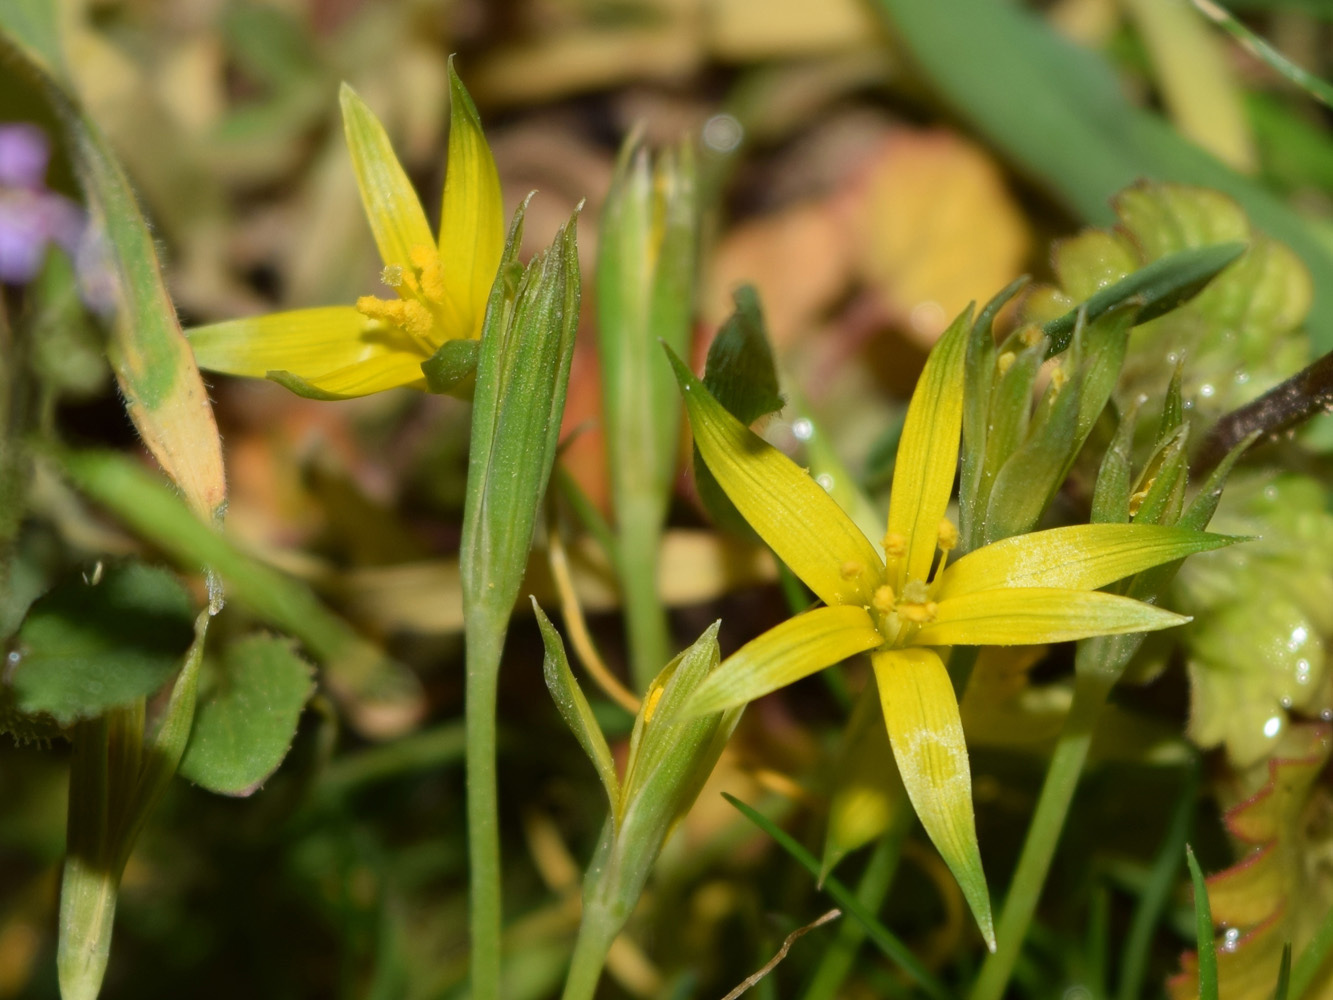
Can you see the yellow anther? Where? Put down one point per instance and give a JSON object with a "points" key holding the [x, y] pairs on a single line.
{"points": [[430, 276], [1031, 335], [1136, 501], [391, 311], [1059, 378], [1004, 362], [650, 703], [948, 535], [417, 320], [850, 570], [916, 592], [884, 599], [895, 545], [921, 614], [392, 275]]}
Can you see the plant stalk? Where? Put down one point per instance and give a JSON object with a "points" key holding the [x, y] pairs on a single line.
{"points": [[640, 537], [485, 644], [1057, 792]]}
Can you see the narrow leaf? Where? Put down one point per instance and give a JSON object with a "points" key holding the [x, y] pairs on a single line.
{"points": [[574, 707], [1203, 930]]}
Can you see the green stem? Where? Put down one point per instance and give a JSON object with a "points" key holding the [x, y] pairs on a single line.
{"points": [[485, 643], [837, 960], [640, 524], [1057, 792], [590, 950]]}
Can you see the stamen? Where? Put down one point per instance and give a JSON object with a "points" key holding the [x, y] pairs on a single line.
{"points": [[1031, 335], [391, 311], [392, 275], [919, 614], [851, 569], [1004, 362], [417, 320], [1059, 378], [895, 545], [427, 263], [916, 592], [884, 599], [948, 535]]}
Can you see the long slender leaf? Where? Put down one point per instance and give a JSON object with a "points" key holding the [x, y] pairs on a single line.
{"points": [[884, 939]]}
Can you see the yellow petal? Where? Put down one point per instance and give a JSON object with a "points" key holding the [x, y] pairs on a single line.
{"points": [[1078, 557], [308, 342], [1031, 615], [789, 510], [928, 452], [797, 648], [472, 216], [926, 734], [391, 203], [384, 371]]}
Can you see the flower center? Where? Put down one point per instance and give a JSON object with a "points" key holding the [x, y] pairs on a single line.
{"points": [[899, 615], [418, 313]]}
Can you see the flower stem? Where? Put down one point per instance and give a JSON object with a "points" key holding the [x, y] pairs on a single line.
{"points": [[640, 527], [485, 643], [590, 950], [1057, 792]]}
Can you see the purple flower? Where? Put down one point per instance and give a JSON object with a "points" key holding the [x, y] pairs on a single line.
{"points": [[31, 217]]}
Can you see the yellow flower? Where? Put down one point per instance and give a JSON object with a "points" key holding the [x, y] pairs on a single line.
{"points": [[908, 605], [438, 289]]}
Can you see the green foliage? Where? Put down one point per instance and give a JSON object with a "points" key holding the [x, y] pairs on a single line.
{"points": [[94, 644], [248, 710]]}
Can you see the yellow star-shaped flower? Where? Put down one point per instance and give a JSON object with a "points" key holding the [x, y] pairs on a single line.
{"points": [[439, 287], [905, 604]]}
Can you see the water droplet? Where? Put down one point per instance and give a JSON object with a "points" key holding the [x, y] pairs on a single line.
{"points": [[723, 133], [1206, 391], [1298, 636], [1230, 939], [1242, 377], [803, 429], [1273, 726], [928, 318], [826, 481], [1284, 701], [13, 657], [1326, 714]]}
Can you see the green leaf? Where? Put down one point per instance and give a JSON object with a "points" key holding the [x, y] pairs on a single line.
{"points": [[741, 375], [884, 939], [383, 696], [1155, 289], [1319, 89], [452, 370], [1203, 930], [248, 711], [574, 708], [87, 647], [164, 393], [522, 375]]}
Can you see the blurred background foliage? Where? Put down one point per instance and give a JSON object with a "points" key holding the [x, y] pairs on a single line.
{"points": [[870, 168]]}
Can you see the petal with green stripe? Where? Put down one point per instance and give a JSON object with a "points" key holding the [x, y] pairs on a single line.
{"points": [[1031, 615], [391, 203], [472, 215], [788, 509], [1077, 557], [926, 733], [784, 654], [384, 371], [309, 342], [928, 452]]}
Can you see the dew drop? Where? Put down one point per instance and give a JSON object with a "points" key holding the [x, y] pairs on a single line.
{"points": [[802, 429], [1206, 391], [723, 133], [1230, 939], [826, 481], [1272, 726]]}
